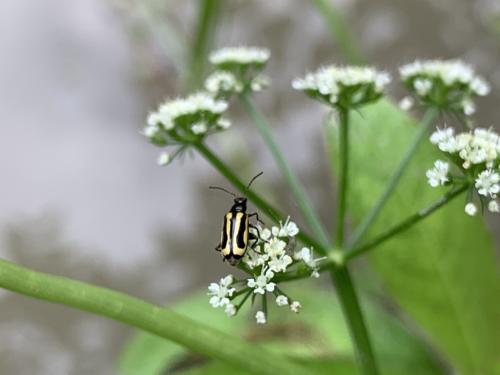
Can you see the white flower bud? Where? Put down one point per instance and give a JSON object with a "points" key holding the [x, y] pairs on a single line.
{"points": [[493, 206], [470, 209], [163, 159], [295, 306], [281, 300], [260, 317]]}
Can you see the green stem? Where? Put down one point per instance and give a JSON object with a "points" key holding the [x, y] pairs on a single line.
{"points": [[358, 234], [296, 188], [208, 11], [340, 31], [354, 317], [339, 272], [146, 316], [256, 199], [343, 176], [405, 224], [325, 265]]}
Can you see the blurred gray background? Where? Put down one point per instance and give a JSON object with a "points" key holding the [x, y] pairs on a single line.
{"points": [[81, 194]]}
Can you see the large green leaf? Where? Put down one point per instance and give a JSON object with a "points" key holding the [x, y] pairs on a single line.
{"points": [[443, 271], [316, 335]]}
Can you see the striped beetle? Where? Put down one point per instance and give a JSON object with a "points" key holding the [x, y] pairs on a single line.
{"points": [[235, 229]]}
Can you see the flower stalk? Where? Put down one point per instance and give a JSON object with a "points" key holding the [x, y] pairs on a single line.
{"points": [[355, 321], [298, 192], [343, 176], [405, 224]]}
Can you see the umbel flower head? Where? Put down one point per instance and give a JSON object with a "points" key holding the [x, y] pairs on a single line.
{"points": [[238, 70], [264, 263], [347, 87], [446, 84], [475, 156], [183, 121]]}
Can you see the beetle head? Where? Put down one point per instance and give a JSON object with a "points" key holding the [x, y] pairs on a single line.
{"points": [[240, 204]]}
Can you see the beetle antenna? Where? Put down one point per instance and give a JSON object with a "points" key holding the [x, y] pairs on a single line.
{"points": [[220, 188], [254, 178]]}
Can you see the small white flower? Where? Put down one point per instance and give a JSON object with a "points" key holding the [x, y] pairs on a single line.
{"points": [[480, 86], [286, 229], [279, 264], [223, 123], [439, 174], [254, 259], [154, 120], [262, 283], [281, 300], [163, 159], [230, 310], [259, 83], [469, 107], [422, 86], [223, 82], [295, 306], [487, 183], [199, 128], [275, 247], [445, 140], [265, 234], [306, 255], [493, 206], [470, 209], [240, 55], [406, 103], [260, 317], [221, 292]]}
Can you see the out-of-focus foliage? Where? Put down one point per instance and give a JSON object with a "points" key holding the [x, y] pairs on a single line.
{"points": [[317, 337], [442, 272]]}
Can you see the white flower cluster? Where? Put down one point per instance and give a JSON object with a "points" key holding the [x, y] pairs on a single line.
{"points": [[222, 82], [220, 293], [447, 84], [265, 260], [240, 56], [348, 87], [185, 120], [476, 155], [238, 70]]}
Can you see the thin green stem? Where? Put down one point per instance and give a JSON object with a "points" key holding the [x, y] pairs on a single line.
{"points": [[208, 12], [295, 186], [355, 321], [405, 224], [339, 272], [343, 176], [266, 208], [340, 31], [146, 316], [325, 265], [365, 225]]}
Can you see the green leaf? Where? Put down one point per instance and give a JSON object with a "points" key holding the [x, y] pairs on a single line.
{"points": [[315, 335], [443, 271]]}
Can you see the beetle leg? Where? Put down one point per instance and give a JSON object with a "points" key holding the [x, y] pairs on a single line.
{"points": [[218, 247], [253, 237], [258, 237], [256, 217]]}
